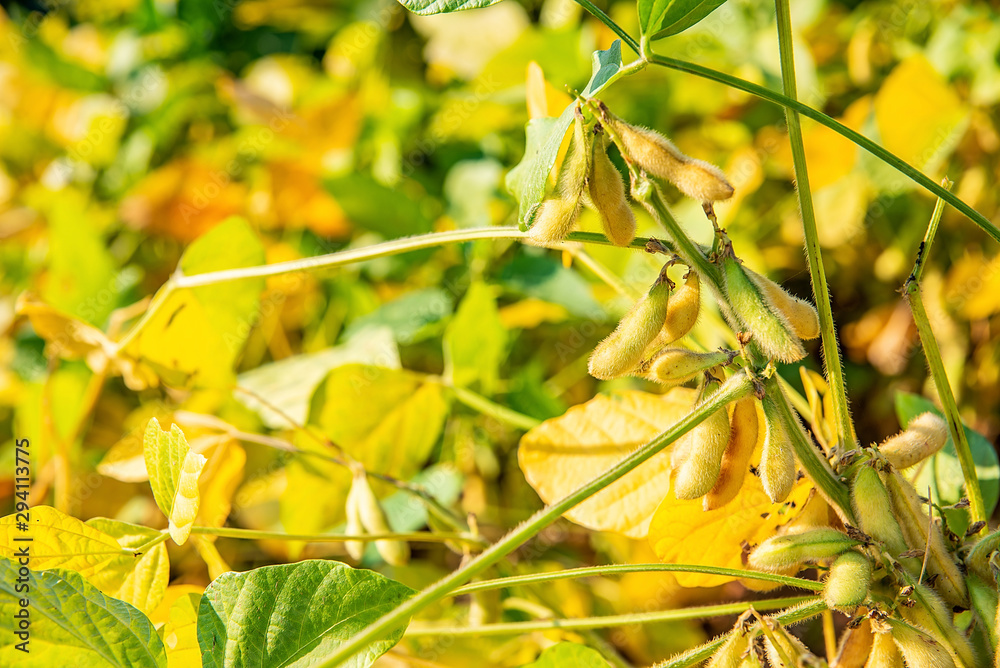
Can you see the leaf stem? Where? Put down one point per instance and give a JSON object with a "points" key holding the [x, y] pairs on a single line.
{"points": [[618, 569], [481, 404], [414, 536], [735, 388], [914, 296], [697, 612], [828, 332]]}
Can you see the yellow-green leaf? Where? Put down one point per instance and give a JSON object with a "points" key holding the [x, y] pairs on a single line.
{"points": [[173, 475], [475, 340], [561, 454], [149, 572], [180, 633]]}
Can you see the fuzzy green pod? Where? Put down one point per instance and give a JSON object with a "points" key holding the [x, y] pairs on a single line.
{"points": [[745, 430], [873, 511], [730, 654], [777, 461], [978, 559], [607, 194], [672, 366], [930, 614], [395, 552], [908, 509], [707, 444], [925, 435], [770, 329], [919, 650], [621, 352], [983, 598], [847, 582], [556, 217], [778, 553], [800, 314]]}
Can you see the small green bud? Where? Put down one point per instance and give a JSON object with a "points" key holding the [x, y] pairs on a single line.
{"points": [[847, 583], [782, 552]]}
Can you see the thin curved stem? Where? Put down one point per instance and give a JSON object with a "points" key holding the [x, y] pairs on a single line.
{"points": [[735, 388], [413, 536], [619, 569], [827, 328], [481, 404], [610, 23], [679, 614]]}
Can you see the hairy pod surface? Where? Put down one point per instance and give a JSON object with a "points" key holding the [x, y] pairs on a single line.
{"points": [[983, 598], [855, 647], [915, 523], [685, 305], [395, 552], [919, 650], [800, 314], [730, 654], [782, 643], [743, 436], [777, 461], [621, 352], [884, 653], [607, 193], [672, 366], [355, 548], [781, 552], [707, 444], [556, 217], [930, 614], [847, 582], [978, 559], [925, 435], [874, 514], [770, 328]]}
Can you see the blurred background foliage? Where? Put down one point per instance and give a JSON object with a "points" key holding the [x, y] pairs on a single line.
{"points": [[129, 128]]}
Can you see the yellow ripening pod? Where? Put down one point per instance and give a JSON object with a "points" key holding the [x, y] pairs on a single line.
{"points": [[855, 646], [355, 548], [919, 650], [607, 193], [978, 560], [656, 155], [847, 582], [800, 314], [685, 304], [873, 512], [554, 219], [621, 352], [744, 433], [930, 614], [777, 461], [779, 553], [884, 653], [395, 552], [770, 329], [908, 509], [707, 443], [781, 643], [672, 366], [925, 435], [730, 654]]}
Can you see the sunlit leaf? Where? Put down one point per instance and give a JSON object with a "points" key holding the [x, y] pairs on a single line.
{"points": [[74, 625], [180, 633], [304, 610], [425, 7], [561, 454], [566, 654], [149, 567], [662, 18], [173, 475], [411, 317], [475, 341]]}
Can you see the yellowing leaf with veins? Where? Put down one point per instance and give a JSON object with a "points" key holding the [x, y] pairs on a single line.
{"points": [[147, 579], [563, 453], [173, 475], [682, 533], [180, 633]]}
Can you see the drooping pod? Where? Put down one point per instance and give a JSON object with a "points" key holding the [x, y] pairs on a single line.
{"points": [[607, 193], [706, 445], [685, 304], [978, 559], [777, 461], [874, 514], [925, 435], [656, 155], [914, 522], [782, 552], [919, 650], [621, 352], [672, 366], [930, 614], [730, 654], [800, 314], [847, 582], [745, 430], [556, 217], [770, 328], [884, 653], [855, 646], [395, 552]]}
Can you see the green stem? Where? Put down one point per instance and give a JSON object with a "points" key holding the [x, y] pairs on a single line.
{"points": [[481, 404], [699, 654], [914, 296], [414, 537], [867, 144], [610, 23], [735, 388], [692, 254], [618, 569], [831, 351], [699, 612], [816, 467]]}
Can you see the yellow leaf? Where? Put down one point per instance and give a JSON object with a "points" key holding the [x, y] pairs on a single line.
{"points": [[563, 453], [149, 573], [161, 615], [173, 476], [682, 533], [219, 480], [180, 633], [917, 113], [544, 100], [530, 313]]}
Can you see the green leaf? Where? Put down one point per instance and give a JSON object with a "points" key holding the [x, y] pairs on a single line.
{"points": [[475, 341], [541, 276], [943, 472], [294, 615], [662, 18], [173, 475], [528, 180], [288, 384], [569, 655], [389, 211], [410, 317], [73, 624], [425, 7]]}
